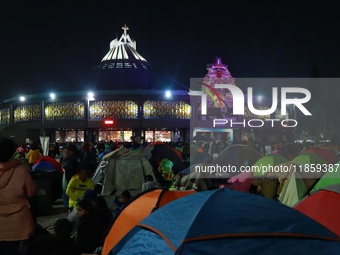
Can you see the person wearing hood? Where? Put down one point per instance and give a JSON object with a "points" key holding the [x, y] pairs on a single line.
{"points": [[34, 154], [16, 186], [79, 184]]}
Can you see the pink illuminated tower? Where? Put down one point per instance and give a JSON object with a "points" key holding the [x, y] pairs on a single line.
{"points": [[218, 73]]}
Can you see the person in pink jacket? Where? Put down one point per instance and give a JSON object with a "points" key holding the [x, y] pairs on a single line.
{"points": [[16, 186]]}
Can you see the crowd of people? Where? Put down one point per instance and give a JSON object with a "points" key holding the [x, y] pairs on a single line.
{"points": [[89, 217]]}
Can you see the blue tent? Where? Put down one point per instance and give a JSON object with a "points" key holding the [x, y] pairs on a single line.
{"points": [[224, 221], [44, 166]]}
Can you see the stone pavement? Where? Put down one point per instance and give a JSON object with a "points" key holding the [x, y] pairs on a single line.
{"points": [[56, 212]]}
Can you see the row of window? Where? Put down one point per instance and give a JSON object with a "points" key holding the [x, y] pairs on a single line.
{"points": [[98, 110]]}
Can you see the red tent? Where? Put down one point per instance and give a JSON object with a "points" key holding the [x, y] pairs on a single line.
{"points": [[52, 161], [323, 206], [240, 182], [328, 155]]}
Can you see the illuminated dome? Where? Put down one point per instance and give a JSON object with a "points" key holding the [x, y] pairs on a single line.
{"points": [[122, 68]]}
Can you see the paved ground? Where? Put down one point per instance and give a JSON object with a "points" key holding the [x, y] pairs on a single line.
{"points": [[47, 221]]}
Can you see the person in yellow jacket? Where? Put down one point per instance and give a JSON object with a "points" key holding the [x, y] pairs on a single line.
{"points": [[33, 155], [77, 187]]}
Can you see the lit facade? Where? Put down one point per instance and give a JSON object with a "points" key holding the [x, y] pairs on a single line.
{"points": [[124, 93]]}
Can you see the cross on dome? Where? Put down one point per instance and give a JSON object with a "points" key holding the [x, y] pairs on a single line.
{"points": [[119, 48], [125, 37], [125, 28]]}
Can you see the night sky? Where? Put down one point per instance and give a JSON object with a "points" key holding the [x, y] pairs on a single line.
{"points": [[49, 45]]}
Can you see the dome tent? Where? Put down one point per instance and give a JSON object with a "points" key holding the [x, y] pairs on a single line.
{"points": [[122, 169], [229, 230]]}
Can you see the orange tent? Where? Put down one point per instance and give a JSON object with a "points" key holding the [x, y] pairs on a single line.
{"points": [[137, 210]]}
